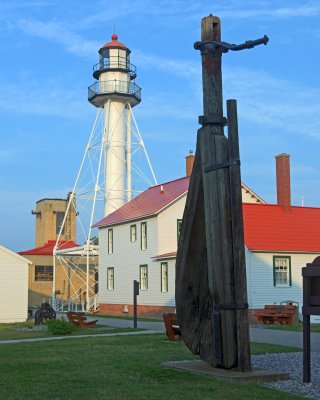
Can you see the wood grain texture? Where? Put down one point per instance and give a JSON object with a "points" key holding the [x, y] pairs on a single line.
{"points": [[211, 293], [239, 263], [193, 302]]}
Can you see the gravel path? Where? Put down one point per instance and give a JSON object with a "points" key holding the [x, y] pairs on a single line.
{"points": [[292, 363]]}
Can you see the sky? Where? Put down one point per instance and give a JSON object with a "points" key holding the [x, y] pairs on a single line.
{"points": [[48, 49]]}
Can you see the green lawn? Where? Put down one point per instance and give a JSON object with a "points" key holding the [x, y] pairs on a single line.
{"points": [[117, 368], [21, 331]]}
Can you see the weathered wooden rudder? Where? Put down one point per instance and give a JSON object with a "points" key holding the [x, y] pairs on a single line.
{"points": [[211, 292]]}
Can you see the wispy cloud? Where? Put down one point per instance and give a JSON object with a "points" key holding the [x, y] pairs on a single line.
{"points": [[56, 32], [8, 156], [273, 102], [176, 67], [43, 98], [267, 9], [151, 12]]}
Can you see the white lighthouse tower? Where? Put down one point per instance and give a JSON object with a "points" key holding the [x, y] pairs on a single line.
{"points": [[108, 173], [116, 92]]}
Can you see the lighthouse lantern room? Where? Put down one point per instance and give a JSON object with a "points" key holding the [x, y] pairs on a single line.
{"points": [[115, 74]]}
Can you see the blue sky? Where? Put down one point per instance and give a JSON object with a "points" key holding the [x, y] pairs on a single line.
{"points": [[47, 51]]}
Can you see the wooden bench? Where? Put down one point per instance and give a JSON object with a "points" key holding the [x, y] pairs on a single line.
{"points": [[79, 320], [172, 326], [272, 314]]}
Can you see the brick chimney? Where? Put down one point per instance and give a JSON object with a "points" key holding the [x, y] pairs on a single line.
{"points": [[189, 163], [283, 180]]}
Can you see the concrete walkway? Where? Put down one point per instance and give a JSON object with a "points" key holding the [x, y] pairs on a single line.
{"points": [[260, 334], [45, 339], [284, 338], [257, 334]]}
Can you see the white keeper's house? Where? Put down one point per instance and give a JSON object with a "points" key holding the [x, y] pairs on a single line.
{"points": [[139, 242]]}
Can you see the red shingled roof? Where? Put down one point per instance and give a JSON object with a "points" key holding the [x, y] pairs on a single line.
{"points": [[273, 228], [47, 248], [148, 203], [173, 254]]}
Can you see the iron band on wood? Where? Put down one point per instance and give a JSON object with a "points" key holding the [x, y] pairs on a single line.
{"points": [[212, 120], [217, 338], [218, 307], [225, 164], [213, 45]]}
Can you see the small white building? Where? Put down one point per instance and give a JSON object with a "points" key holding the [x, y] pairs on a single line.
{"points": [[13, 286], [139, 242]]}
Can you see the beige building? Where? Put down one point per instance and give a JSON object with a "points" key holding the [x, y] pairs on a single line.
{"points": [[70, 272], [50, 214]]}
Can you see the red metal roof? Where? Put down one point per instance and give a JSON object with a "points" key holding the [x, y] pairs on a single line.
{"points": [[273, 228], [173, 254], [114, 42], [148, 203], [47, 248]]}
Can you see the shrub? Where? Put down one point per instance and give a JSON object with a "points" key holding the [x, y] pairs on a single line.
{"points": [[59, 327]]}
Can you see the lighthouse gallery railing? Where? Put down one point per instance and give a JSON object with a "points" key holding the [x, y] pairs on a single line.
{"points": [[114, 86]]}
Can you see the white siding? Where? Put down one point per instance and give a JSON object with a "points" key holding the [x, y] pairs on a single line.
{"points": [[261, 290], [126, 260], [13, 287], [167, 226]]}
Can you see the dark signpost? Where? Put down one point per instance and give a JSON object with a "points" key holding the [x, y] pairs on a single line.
{"points": [[136, 290], [211, 292], [311, 306]]}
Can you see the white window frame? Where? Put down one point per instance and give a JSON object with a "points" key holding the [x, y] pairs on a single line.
{"points": [[110, 241], [164, 277], [282, 271], [143, 273], [133, 233], [144, 236], [110, 278]]}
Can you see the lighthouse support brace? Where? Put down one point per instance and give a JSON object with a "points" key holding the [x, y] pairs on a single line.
{"points": [[70, 203]]}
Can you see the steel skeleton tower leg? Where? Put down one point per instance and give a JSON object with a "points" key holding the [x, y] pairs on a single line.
{"points": [[115, 91]]}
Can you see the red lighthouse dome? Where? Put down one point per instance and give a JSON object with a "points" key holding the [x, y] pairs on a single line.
{"points": [[114, 43]]}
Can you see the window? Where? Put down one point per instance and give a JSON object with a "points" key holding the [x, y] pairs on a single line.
{"points": [[281, 271], [110, 241], [143, 235], [43, 273], [110, 278], [179, 226], [143, 277], [59, 221], [133, 233], [164, 277]]}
